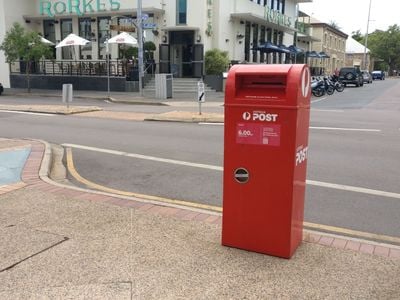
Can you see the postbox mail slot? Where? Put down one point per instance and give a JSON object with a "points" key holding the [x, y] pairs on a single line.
{"points": [[261, 85]]}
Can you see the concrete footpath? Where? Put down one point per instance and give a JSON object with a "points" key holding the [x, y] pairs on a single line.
{"points": [[174, 114], [60, 242]]}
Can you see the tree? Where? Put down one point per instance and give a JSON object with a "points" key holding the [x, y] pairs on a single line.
{"points": [[385, 46], [334, 25], [358, 36], [26, 46], [216, 61]]}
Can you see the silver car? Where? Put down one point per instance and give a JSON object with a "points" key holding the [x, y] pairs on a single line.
{"points": [[367, 77]]}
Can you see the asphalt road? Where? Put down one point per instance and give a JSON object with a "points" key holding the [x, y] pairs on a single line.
{"points": [[354, 141]]}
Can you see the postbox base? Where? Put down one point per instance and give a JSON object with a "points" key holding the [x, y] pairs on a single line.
{"points": [[280, 254]]}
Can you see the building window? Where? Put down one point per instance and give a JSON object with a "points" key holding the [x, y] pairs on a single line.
{"points": [[255, 42], [85, 31], [103, 35], [49, 31], [247, 42], [181, 11], [66, 29]]}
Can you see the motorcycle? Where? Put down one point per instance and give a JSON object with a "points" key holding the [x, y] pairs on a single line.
{"points": [[318, 87], [339, 86]]}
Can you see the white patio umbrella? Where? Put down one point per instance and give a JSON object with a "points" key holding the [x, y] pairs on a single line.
{"points": [[45, 41], [122, 38], [72, 40]]}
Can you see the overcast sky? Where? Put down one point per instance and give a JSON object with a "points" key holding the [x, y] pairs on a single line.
{"points": [[352, 15]]}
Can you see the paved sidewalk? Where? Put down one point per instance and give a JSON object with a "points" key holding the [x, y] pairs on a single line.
{"points": [[127, 98], [61, 242]]}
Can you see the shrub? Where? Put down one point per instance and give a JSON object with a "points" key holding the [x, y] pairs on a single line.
{"points": [[216, 62]]}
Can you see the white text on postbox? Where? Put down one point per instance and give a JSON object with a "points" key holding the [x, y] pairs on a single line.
{"points": [[301, 155], [260, 116]]}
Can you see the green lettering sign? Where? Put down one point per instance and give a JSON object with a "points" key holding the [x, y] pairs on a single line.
{"points": [[276, 17], [78, 7], [45, 8], [74, 6], [115, 5]]}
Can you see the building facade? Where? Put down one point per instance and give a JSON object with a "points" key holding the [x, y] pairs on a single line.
{"points": [[182, 30], [332, 42]]}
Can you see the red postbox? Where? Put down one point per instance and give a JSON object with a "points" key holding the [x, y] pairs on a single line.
{"points": [[267, 112]]}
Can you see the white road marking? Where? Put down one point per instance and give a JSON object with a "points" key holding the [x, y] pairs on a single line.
{"points": [[140, 156], [346, 129], [327, 110], [27, 113], [208, 123], [353, 189], [218, 168], [320, 99]]}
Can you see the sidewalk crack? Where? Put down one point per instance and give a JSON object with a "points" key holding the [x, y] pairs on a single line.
{"points": [[33, 255]]}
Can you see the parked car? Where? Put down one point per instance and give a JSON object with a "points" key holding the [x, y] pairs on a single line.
{"points": [[378, 75], [351, 75], [1, 89], [367, 77]]}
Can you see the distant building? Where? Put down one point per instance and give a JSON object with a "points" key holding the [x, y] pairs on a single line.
{"points": [[331, 46], [355, 55]]}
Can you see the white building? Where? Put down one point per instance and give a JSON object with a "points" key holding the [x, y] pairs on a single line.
{"points": [[182, 30]]}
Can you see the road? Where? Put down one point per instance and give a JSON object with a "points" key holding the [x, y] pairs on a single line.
{"points": [[353, 166]]}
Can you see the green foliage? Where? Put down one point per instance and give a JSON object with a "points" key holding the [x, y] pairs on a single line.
{"points": [[334, 25], [20, 44], [385, 47], [149, 46], [216, 61], [358, 36]]}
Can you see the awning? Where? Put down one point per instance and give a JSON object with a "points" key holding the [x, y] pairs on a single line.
{"points": [[284, 48], [313, 54], [269, 47], [324, 55], [295, 50]]}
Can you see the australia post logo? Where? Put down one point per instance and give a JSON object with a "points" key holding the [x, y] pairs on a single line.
{"points": [[259, 116]]}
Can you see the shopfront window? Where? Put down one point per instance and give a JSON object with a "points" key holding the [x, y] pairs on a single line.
{"points": [[49, 30], [85, 31], [181, 12], [66, 29], [103, 35]]}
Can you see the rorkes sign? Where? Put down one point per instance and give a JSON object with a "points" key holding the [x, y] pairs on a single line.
{"points": [[79, 7]]}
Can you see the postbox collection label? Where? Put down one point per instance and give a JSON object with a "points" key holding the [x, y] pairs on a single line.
{"points": [[258, 134]]}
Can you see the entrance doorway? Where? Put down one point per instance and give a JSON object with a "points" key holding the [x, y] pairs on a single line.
{"points": [[182, 57]]}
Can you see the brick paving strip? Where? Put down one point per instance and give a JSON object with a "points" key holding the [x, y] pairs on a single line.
{"points": [[35, 175]]}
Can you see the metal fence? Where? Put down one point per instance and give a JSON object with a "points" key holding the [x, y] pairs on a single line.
{"points": [[122, 67]]}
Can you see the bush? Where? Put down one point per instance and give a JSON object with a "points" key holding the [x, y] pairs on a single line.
{"points": [[216, 61]]}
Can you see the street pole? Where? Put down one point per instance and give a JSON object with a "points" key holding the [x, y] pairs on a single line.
{"points": [[366, 37], [140, 44]]}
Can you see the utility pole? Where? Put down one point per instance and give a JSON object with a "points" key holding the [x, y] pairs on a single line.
{"points": [[366, 37], [140, 44]]}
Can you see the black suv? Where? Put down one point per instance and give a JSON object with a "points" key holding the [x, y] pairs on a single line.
{"points": [[1, 89], [351, 75]]}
